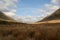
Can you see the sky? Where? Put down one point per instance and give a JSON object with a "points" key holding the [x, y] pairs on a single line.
{"points": [[28, 11], [28, 7]]}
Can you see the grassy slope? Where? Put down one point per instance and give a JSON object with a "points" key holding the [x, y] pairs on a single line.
{"points": [[53, 16], [4, 17], [51, 21]]}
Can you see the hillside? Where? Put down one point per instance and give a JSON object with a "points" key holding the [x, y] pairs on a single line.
{"points": [[4, 17], [53, 16]]}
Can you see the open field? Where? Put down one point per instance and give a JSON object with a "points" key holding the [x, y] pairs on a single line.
{"points": [[20, 31]]}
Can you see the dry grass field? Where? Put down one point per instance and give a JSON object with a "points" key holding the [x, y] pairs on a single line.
{"points": [[21, 31]]}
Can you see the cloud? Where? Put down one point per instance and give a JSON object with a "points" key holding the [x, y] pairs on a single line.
{"points": [[55, 1], [10, 14], [29, 19], [50, 6], [13, 10], [7, 5]]}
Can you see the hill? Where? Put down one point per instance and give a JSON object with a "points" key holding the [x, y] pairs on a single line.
{"points": [[4, 17], [53, 18]]}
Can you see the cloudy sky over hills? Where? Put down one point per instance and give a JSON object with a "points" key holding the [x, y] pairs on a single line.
{"points": [[29, 10]]}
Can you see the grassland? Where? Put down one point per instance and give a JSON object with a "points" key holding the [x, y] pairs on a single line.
{"points": [[21, 31]]}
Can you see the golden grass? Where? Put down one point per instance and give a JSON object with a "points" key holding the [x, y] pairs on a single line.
{"points": [[51, 21], [20, 31]]}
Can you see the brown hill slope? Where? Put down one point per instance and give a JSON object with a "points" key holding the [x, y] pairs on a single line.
{"points": [[3, 17], [53, 16]]}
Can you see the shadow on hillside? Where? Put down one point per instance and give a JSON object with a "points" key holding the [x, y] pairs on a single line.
{"points": [[3, 22]]}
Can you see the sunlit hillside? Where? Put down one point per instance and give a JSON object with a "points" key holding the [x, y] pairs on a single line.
{"points": [[53, 18]]}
